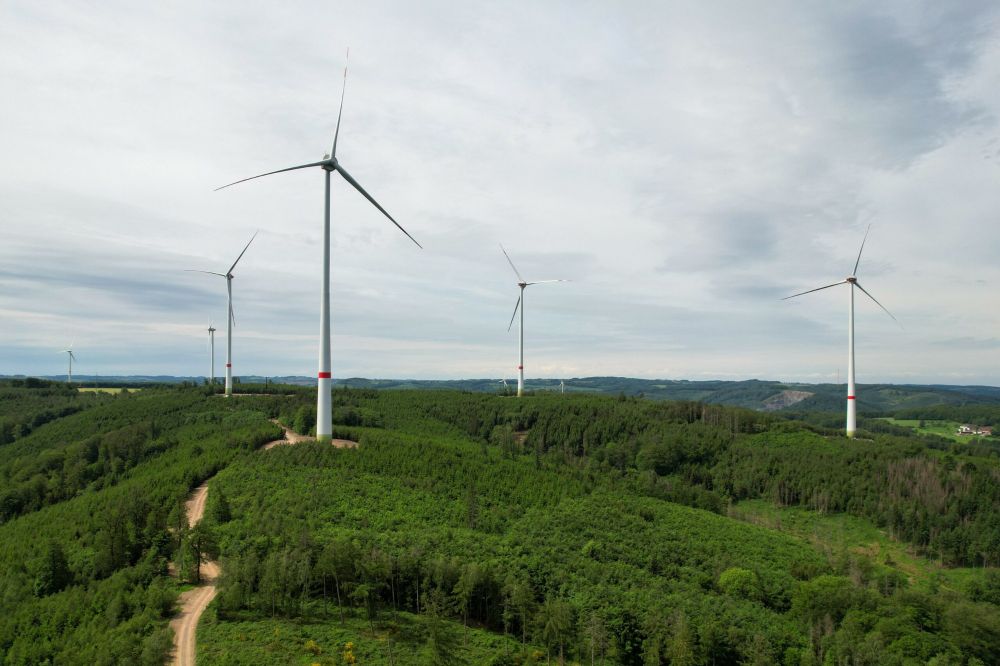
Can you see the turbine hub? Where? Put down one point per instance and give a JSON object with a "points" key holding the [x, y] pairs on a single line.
{"points": [[329, 163], [852, 279], [522, 285]]}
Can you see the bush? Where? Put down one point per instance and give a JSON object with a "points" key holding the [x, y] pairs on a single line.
{"points": [[305, 420], [740, 583]]}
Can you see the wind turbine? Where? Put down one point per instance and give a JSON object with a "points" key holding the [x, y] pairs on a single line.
{"points": [[851, 280], [69, 375], [211, 344], [230, 320], [329, 164], [522, 283], [562, 386]]}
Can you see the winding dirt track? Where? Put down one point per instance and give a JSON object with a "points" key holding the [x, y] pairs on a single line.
{"points": [[193, 602], [292, 437]]}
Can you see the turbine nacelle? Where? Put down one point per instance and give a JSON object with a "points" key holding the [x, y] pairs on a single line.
{"points": [[851, 279]]}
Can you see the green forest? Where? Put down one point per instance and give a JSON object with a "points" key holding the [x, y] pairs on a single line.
{"points": [[475, 527]]}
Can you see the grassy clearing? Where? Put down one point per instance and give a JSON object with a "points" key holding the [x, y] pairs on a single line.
{"points": [[947, 429], [105, 389], [254, 639], [836, 534]]}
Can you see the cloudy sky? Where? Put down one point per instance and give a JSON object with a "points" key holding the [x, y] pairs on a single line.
{"points": [[684, 164]]}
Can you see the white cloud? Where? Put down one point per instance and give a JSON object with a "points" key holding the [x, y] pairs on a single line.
{"points": [[684, 165]]}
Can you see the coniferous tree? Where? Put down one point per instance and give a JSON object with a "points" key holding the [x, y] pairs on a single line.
{"points": [[53, 574]]}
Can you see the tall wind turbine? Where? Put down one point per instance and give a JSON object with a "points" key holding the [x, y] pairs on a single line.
{"points": [[329, 164], [851, 280], [230, 320], [211, 345], [522, 283], [69, 374]]}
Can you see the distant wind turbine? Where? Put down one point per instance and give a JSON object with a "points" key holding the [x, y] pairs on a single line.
{"points": [[851, 280], [562, 386], [71, 358], [211, 344], [230, 320], [329, 164], [522, 283]]}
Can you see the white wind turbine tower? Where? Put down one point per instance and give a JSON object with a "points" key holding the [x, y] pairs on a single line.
{"points": [[329, 164], [522, 283], [71, 358], [851, 280], [230, 320], [211, 345]]}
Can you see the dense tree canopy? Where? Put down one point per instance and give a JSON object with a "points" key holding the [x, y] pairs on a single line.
{"points": [[475, 527]]}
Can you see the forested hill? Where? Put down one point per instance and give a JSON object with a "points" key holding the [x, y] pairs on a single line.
{"points": [[486, 529], [763, 395], [753, 394]]}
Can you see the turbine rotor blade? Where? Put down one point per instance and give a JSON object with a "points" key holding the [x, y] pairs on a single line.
{"points": [[516, 272], [545, 281], [191, 270], [333, 151], [856, 263], [816, 289], [877, 303], [244, 251], [358, 187], [271, 173], [516, 306]]}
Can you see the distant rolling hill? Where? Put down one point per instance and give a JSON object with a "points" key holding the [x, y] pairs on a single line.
{"points": [[763, 395]]}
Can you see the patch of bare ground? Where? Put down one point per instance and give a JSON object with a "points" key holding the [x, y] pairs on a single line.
{"points": [[784, 399], [292, 437]]}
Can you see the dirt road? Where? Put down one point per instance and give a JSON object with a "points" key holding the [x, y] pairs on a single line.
{"points": [[193, 602], [292, 437], [195, 505]]}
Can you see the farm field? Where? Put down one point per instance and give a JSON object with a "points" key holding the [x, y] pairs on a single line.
{"points": [[946, 429]]}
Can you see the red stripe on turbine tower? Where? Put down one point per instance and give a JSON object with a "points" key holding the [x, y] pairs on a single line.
{"points": [[229, 365], [850, 397], [323, 375], [520, 367]]}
